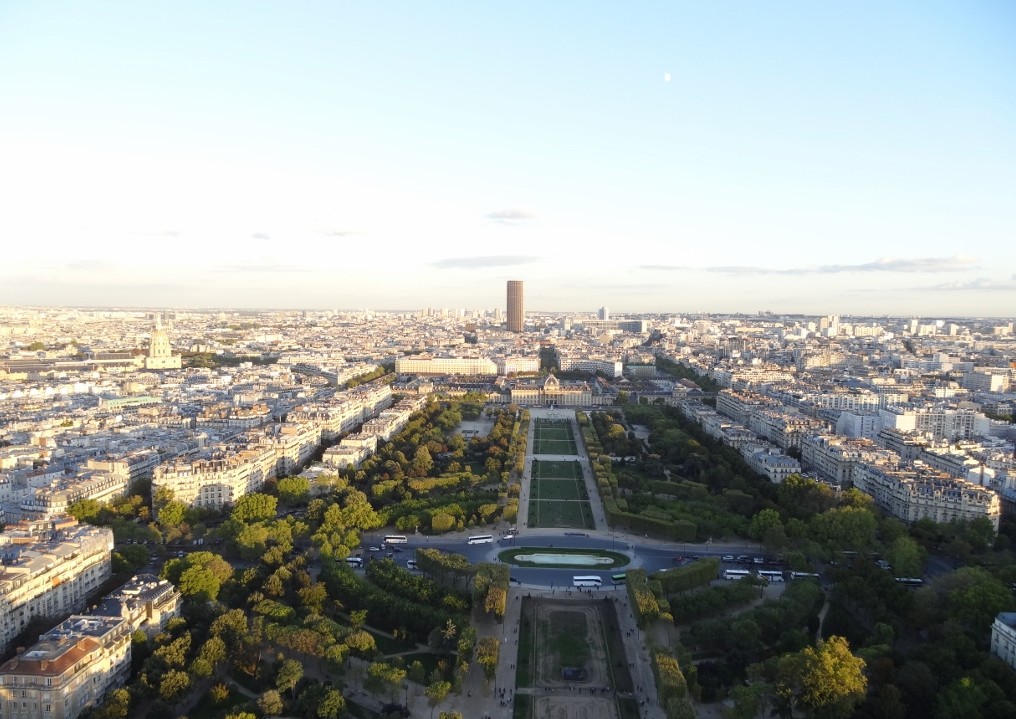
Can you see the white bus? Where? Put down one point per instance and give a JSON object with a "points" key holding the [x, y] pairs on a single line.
{"points": [[735, 574], [587, 581], [394, 539], [803, 575], [354, 561], [771, 575], [481, 539]]}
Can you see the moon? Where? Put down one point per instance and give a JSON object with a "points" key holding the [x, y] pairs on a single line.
{"points": [[666, 77]]}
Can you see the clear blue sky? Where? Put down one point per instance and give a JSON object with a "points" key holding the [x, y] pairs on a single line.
{"points": [[676, 156]]}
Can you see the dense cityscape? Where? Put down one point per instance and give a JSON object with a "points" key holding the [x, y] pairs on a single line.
{"points": [[207, 509]]}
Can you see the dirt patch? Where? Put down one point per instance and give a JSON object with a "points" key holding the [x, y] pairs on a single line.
{"points": [[574, 707], [557, 625]]}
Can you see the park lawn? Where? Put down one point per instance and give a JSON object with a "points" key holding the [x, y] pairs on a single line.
{"points": [[560, 513], [555, 446], [559, 489], [568, 639], [556, 469], [526, 668], [523, 706]]}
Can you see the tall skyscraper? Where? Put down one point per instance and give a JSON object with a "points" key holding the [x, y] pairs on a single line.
{"points": [[516, 306], [603, 314]]}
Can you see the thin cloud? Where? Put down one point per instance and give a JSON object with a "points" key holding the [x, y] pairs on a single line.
{"points": [[260, 268], [338, 233], [485, 261], [956, 263], [980, 284], [260, 236], [87, 265], [509, 217]]}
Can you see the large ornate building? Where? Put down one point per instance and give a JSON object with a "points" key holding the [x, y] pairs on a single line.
{"points": [[160, 352], [551, 391]]}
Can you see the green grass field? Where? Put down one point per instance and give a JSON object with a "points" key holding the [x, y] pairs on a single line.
{"points": [[555, 446], [553, 437], [555, 469], [559, 489], [560, 513]]}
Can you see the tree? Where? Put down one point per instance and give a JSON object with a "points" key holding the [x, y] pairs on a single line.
{"points": [[829, 681], [332, 704], [199, 583], [254, 507], [962, 698], [436, 693], [487, 655], [289, 675], [173, 686], [906, 557], [293, 490], [764, 521]]}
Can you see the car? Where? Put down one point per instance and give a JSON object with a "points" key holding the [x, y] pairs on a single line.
{"points": [[389, 554], [759, 560], [396, 549], [728, 557], [374, 549], [678, 560], [411, 564]]}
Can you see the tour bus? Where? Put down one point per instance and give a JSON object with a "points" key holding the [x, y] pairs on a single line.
{"points": [[803, 575], [354, 561], [394, 539], [586, 581], [910, 581], [619, 578], [771, 575], [480, 539], [735, 574]]}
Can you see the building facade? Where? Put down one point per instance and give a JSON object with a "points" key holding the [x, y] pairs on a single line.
{"points": [[50, 574]]}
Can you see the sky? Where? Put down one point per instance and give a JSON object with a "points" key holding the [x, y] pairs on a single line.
{"points": [[844, 158]]}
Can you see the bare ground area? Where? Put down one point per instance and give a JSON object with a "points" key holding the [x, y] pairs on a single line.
{"points": [[561, 699], [573, 707]]}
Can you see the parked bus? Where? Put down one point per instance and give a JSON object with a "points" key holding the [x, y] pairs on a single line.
{"points": [[481, 539], [354, 561], [394, 539], [735, 574], [910, 581], [771, 575], [619, 578], [803, 575], [586, 581]]}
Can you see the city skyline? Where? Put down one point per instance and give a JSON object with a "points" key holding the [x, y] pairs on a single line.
{"points": [[667, 158]]}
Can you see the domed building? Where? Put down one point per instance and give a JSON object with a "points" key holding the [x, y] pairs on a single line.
{"points": [[160, 352]]}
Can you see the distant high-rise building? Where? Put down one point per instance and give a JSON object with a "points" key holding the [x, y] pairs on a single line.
{"points": [[516, 306], [603, 314]]}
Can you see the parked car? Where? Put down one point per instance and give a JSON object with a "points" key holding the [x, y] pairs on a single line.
{"points": [[374, 549], [728, 557]]}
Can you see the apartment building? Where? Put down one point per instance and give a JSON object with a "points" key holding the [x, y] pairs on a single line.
{"points": [[145, 602], [217, 480], [940, 422], [1003, 638], [917, 492], [834, 457], [68, 670], [54, 500], [419, 364], [50, 573]]}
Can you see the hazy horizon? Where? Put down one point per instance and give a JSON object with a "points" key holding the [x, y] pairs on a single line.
{"points": [[671, 157]]}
